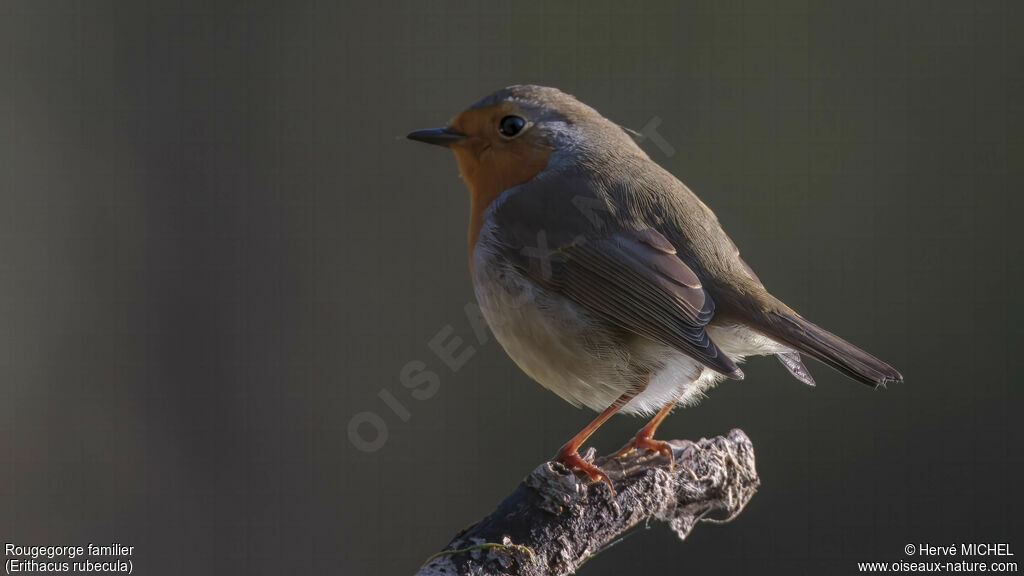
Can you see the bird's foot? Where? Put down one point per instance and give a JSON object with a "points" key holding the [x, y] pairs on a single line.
{"points": [[644, 441], [570, 458]]}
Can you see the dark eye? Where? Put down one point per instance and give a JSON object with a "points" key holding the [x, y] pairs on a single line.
{"points": [[511, 125]]}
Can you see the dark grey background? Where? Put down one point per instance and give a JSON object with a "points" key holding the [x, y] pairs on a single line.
{"points": [[216, 248]]}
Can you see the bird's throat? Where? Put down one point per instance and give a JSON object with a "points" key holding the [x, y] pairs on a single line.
{"points": [[488, 179]]}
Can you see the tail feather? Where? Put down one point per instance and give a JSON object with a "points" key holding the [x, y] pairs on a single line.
{"points": [[809, 338]]}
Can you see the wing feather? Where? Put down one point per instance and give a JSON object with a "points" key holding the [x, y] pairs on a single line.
{"points": [[636, 280]]}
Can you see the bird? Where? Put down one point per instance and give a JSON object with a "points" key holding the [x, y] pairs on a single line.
{"points": [[606, 279]]}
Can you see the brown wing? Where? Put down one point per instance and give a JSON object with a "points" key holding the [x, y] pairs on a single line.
{"points": [[635, 280]]}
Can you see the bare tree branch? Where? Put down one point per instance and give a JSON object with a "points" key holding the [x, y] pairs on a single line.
{"points": [[554, 522]]}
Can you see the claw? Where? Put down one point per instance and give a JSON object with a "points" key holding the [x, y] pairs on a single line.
{"points": [[569, 453], [571, 459], [644, 439], [644, 442]]}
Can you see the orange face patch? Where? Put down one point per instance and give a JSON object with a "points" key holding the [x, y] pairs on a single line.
{"points": [[490, 162]]}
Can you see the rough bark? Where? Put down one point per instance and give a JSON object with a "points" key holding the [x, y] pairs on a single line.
{"points": [[555, 521]]}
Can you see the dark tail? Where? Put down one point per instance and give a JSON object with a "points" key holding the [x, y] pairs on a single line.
{"points": [[809, 338]]}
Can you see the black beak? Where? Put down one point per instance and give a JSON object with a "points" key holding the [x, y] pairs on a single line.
{"points": [[440, 136]]}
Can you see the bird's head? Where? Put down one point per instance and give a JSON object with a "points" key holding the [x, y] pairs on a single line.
{"points": [[512, 135]]}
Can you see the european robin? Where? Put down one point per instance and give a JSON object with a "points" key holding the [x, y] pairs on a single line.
{"points": [[604, 277]]}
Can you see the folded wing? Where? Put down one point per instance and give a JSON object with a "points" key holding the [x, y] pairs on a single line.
{"points": [[635, 280]]}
